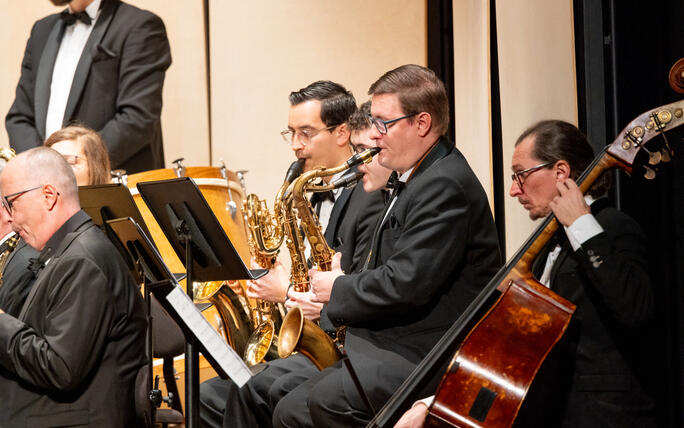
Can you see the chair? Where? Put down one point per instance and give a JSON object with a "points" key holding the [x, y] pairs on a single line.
{"points": [[168, 342]]}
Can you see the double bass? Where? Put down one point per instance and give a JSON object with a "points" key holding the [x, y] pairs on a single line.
{"points": [[497, 346]]}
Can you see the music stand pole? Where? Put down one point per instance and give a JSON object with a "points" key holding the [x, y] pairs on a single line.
{"points": [[191, 349]]}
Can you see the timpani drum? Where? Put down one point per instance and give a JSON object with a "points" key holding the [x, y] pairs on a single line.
{"points": [[230, 314]]}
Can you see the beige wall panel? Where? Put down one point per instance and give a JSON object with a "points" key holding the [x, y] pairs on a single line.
{"points": [[261, 51], [14, 33], [472, 88], [537, 81], [185, 114]]}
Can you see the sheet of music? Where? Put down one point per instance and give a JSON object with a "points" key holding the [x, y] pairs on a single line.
{"points": [[224, 355]]}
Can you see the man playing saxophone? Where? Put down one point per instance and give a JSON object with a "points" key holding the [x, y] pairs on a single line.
{"points": [[432, 251], [319, 134]]}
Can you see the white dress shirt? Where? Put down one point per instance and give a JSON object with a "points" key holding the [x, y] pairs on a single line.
{"points": [[73, 41]]}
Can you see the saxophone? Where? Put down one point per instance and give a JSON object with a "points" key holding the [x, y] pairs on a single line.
{"points": [[10, 245], [296, 332], [265, 235], [5, 156]]}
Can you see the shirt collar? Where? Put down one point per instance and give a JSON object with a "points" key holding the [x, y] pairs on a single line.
{"points": [[91, 9], [405, 176], [6, 237]]}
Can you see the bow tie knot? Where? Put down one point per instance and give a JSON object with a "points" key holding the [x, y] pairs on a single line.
{"points": [[71, 18], [320, 197], [37, 263], [394, 183]]}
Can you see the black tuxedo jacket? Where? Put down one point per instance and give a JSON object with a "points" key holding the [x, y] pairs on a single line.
{"points": [[71, 357], [434, 252], [607, 279], [17, 279], [351, 225], [349, 231], [117, 86]]}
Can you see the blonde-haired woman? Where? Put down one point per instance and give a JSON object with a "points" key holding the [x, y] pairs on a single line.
{"points": [[84, 150]]}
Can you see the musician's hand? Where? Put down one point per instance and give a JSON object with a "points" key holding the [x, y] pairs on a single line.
{"points": [[1, 311], [569, 205], [272, 286], [311, 309], [322, 282], [413, 417]]}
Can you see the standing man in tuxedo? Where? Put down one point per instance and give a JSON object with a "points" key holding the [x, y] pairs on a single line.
{"points": [[71, 356], [319, 133], [100, 63], [434, 248]]}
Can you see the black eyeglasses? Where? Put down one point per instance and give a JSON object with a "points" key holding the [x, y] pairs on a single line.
{"points": [[381, 125], [8, 200], [519, 177]]}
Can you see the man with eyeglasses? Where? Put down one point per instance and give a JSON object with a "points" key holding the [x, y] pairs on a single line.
{"points": [[71, 356], [319, 134], [433, 249], [597, 262]]}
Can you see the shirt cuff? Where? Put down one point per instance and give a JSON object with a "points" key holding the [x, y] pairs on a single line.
{"points": [[427, 401], [582, 230]]}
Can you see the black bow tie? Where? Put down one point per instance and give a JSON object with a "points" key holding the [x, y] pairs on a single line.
{"points": [[37, 263], [71, 18], [394, 183], [319, 197]]}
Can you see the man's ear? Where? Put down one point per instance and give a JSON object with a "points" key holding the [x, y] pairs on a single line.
{"points": [[562, 169], [424, 123], [342, 135], [50, 196]]}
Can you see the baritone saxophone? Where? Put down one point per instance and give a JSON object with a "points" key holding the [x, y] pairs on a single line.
{"points": [[265, 235], [297, 333]]}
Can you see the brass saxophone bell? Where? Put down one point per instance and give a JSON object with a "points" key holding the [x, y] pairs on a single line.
{"points": [[260, 346], [301, 335]]}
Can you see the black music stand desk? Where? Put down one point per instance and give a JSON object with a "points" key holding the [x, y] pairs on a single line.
{"points": [[202, 245]]}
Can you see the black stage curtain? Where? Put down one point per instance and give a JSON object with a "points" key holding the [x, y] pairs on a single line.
{"points": [[629, 76]]}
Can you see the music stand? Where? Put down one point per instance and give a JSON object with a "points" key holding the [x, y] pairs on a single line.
{"points": [[202, 245], [104, 202]]}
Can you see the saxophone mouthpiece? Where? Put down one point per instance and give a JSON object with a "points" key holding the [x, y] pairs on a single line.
{"points": [[363, 157], [349, 179], [295, 170]]}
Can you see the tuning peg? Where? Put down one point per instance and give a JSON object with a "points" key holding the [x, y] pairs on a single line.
{"points": [[649, 174], [654, 158], [665, 155]]}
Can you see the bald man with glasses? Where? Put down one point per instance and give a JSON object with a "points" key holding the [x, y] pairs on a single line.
{"points": [[71, 356]]}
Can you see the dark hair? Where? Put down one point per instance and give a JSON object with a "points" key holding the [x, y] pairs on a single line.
{"points": [[359, 119], [556, 140], [94, 149], [419, 90], [337, 103]]}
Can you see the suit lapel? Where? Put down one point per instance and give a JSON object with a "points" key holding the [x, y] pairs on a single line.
{"points": [[44, 76], [440, 149], [86, 60], [40, 279], [335, 215]]}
